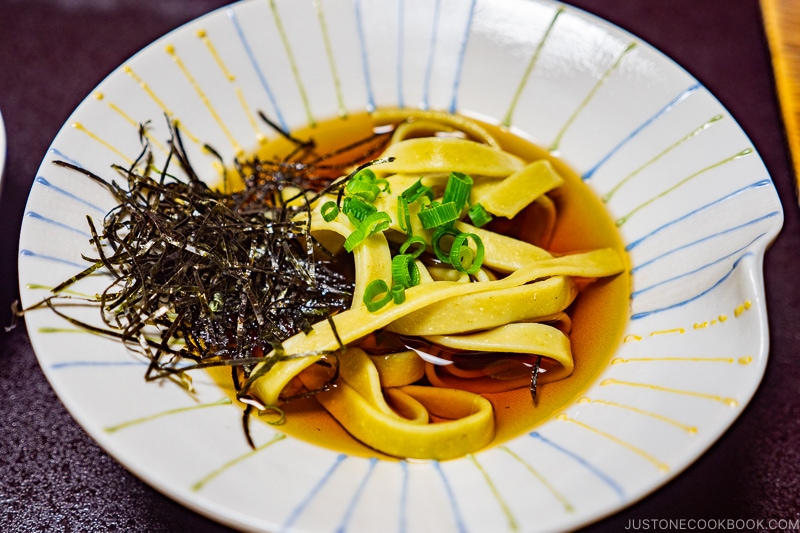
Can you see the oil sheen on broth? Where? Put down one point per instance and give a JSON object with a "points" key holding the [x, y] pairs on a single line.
{"points": [[598, 314]]}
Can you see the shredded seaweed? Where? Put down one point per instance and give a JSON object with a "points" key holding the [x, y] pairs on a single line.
{"points": [[202, 277], [206, 277]]}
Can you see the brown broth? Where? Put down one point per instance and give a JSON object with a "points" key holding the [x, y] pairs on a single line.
{"points": [[599, 313]]}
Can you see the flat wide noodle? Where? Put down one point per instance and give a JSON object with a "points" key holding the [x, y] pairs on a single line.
{"points": [[492, 313], [526, 338], [358, 322], [427, 155], [469, 423], [510, 196], [541, 300], [398, 369], [470, 127]]}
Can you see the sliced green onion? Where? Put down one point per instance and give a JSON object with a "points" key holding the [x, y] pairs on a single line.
{"points": [[377, 295], [383, 183], [457, 189], [405, 271], [437, 214], [366, 175], [436, 242], [398, 294], [403, 215], [413, 193], [479, 215], [363, 189], [418, 244], [329, 211], [356, 209], [462, 257], [374, 223], [353, 240]]}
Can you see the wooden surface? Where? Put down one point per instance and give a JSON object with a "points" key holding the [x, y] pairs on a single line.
{"points": [[782, 28]]}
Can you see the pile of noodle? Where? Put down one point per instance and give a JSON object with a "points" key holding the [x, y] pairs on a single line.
{"points": [[398, 403]]}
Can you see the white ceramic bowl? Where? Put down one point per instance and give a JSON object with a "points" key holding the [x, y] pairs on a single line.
{"points": [[697, 203]]}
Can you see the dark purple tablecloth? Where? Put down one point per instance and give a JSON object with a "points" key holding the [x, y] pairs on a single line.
{"points": [[54, 477]]}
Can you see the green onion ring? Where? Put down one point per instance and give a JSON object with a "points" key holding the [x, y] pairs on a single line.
{"points": [[418, 244], [457, 255], [356, 209], [458, 189], [363, 189], [329, 211], [413, 193], [405, 271], [479, 215], [376, 288], [398, 293], [436, 238], [438, 215], [374, 223], [403, 215]]}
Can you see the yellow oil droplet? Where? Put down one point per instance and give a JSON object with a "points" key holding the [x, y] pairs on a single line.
{"points": [[129, 71], [632, 338], [170, 49], [663, 467], [80, 127], [136, 125], [701, 325], [179, 124], [100, 97], [197, 486], [560, 497], [746, 360], [262, 139], [289, 55], [723, 318], [742, 308], [668, 332], [203, 36], [620, 360], [323, 25], [728, 401], [60, 330], [689, 429]]}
